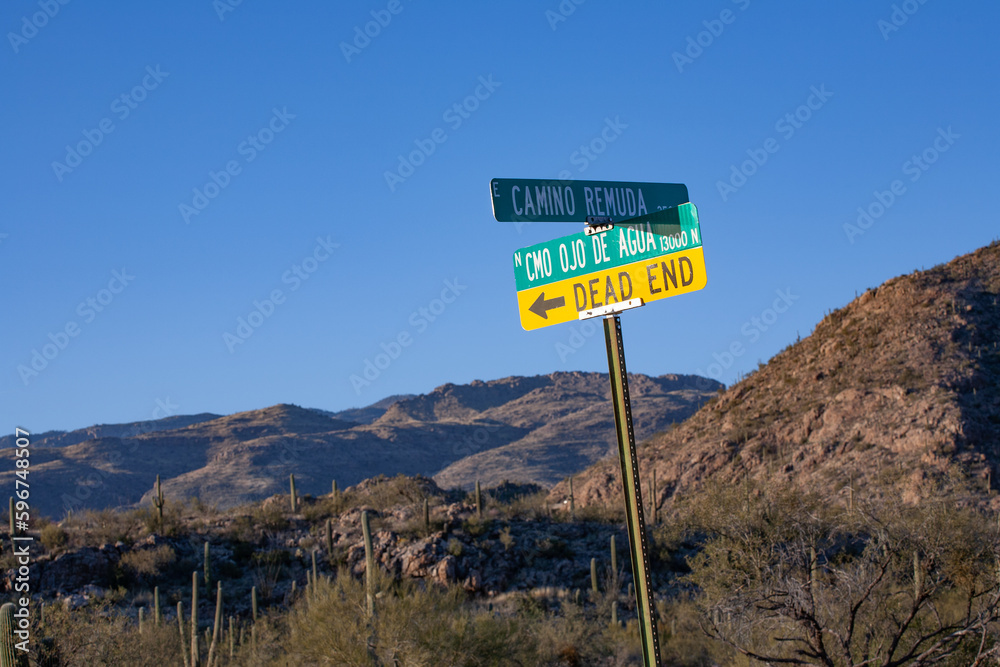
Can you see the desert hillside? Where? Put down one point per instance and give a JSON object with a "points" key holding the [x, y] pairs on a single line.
{"points": [[534, 430], [897, 390]]}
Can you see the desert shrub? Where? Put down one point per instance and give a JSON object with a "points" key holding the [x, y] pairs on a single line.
{"points": [[53, 537], [268, 567], [198, 509], [382, 493], [529, 503], [263, 645], [507, 492], [611, 512], [323, 508], [553, 547], [172, 523], [476, 527], [243, 534], [455, 547], [97, 527], [682, 642], [784, 576], [147, 563], [506, 539], [102, 635], [269, 516], [412, 626], [576, 637]]}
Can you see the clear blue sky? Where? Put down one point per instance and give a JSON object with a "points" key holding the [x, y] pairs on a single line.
{"points": [[114, 114]]}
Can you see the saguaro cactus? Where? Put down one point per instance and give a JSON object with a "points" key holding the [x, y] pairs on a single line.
{"points": [[195, 658], [156, 606], [479, 500], [8, 652], [11, 514], [572, 501], [614, 558], [652, 499], [427, 516], [158, 502], [329, 541], [593, 577], [253, 603], [180, 626], [291, 484], [369, 563], [217, 627], [208, 567]]}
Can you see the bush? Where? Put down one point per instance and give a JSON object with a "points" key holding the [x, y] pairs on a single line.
{"points": [[147, 563], [323, 508], [477, 527], [103, 635], [783, 574], [150, 518], [53, 537], [382, 493], [96, 527], [268, 568], [455, 547], [527, 505], [411, 627], [269, 516]]}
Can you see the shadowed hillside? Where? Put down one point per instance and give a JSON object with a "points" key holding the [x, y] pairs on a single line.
{"points": [[555, 425]]}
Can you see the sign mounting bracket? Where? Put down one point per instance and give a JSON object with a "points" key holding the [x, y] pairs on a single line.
{"points": [[611, 309], [597, 224]]}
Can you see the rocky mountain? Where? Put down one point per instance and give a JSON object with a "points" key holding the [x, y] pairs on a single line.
{"points": [[898, 391], [367, 414], [576, 427], [128, 430], [525, 429]]}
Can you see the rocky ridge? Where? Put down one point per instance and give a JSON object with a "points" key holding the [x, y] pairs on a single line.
{"points": [[897, 391], [524, 429]]}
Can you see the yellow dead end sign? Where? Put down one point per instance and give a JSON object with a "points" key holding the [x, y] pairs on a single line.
{"points": [[645, 259]]}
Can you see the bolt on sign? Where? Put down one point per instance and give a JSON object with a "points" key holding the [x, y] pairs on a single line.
{"points": [[650, 258]]}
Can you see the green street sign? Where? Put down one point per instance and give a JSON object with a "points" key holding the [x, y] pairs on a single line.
{"points": [[648, 258], [532, 200], [633, 240]]}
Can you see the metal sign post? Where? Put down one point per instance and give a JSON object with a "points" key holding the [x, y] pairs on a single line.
{"points": [[633, 493], [641, 243]]}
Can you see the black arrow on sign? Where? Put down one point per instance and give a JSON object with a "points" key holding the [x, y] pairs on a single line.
{"points": [[541, 307]]}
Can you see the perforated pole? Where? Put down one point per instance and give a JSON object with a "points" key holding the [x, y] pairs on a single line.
{"points": [[633, 492]]}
